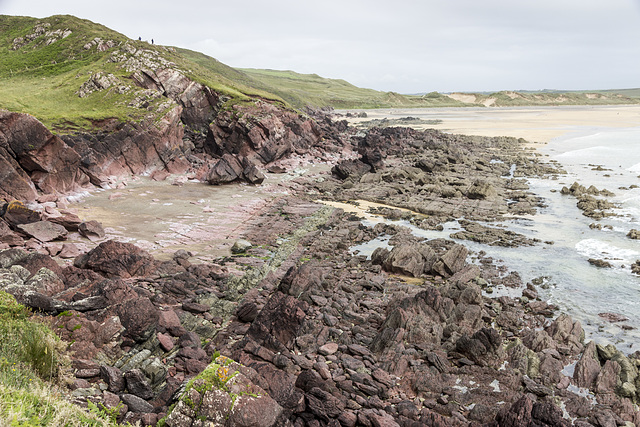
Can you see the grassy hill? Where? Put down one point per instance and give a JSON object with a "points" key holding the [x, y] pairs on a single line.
{"points": [[310, 89], [44, 63]]}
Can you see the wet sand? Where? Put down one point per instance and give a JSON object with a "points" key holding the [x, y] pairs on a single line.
{"points": [[535, 124], [163, 218]]}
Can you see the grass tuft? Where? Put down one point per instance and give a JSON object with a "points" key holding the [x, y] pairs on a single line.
{"points": [[31, 367]]}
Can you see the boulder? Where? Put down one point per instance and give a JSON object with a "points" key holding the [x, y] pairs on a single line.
{"points": [[113, 377], [481, 190], [9, 237], [588, 367], [115, 259], [92, 230], [224, 395], [251, 173], [411, 260], [225, 170], [277, 325], [136, 404], [43, 231], [240, 246], [17, 213], [139, 317], [350, 168], [138, 385], [451, 262], [482, 347], [67, 219]]}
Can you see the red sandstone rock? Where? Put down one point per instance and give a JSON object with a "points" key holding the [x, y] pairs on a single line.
{"points": [[116, 259], [44, 231], [49, 162]]}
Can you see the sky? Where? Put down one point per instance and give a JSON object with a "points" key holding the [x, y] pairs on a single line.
{"points": [[405, 46]]}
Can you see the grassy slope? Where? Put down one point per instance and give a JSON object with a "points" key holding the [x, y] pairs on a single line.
{"points": [[42, 79], [310, 89], [303, 89], [30, 355]]}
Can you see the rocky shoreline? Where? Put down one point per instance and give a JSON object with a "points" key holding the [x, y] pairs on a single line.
{"points": [[294, 329]]}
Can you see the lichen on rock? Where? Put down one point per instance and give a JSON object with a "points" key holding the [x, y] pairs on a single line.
{"points": [[222, 395]]}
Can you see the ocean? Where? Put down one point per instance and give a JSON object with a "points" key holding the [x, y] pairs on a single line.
{"points": [[608, 159]]}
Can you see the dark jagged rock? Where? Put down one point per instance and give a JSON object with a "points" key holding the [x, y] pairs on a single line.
{"points": [[481, 346], [114, 378], [451, 262], [136, 404], [116, 259], [138, 385], [412, 260], [350, 168], [32, 157], [278, 323], [139, 318]]}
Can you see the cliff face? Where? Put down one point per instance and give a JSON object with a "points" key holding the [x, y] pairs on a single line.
{"points": [[141, 108], [193, 133], [32, 158]]}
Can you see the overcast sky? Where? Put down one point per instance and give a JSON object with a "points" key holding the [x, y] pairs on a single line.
{"points": [[407, 46]]}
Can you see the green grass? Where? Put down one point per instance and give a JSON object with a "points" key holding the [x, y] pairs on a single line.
{"points": [[30, 368], [42, 78], [300, 90]]}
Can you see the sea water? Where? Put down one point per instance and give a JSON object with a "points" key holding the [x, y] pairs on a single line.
{"points": [[608, 159]]}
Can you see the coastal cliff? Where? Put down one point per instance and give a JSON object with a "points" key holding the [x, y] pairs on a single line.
{"points": [[292, 328]]}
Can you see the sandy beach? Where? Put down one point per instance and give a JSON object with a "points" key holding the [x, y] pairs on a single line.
{"points": [[535, 124]]}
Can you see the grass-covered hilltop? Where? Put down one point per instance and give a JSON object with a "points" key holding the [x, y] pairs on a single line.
{"points": [[71, 74]]}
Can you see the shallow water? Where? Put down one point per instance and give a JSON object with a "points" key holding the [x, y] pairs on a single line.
{"points": [[163, 218], [577, 287]]}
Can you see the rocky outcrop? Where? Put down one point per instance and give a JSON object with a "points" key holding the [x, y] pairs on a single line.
{"points": [[223, 394], [124, 149], [33, 159], [264, 133], [232, 168], [115, 259]]}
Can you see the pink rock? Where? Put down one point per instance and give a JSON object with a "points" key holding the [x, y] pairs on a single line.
{"points": [[166, 343], [169, 321], [54, 248], [69, 250], [159, 175], [44, 231], [328, 348], [92, 230]]}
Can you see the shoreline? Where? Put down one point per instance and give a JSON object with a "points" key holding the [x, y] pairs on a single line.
{"points": [[537, 125]]}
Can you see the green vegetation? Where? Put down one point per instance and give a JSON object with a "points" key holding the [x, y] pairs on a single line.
{"points": [[31, 364], [300, 90], [45, 62]]}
